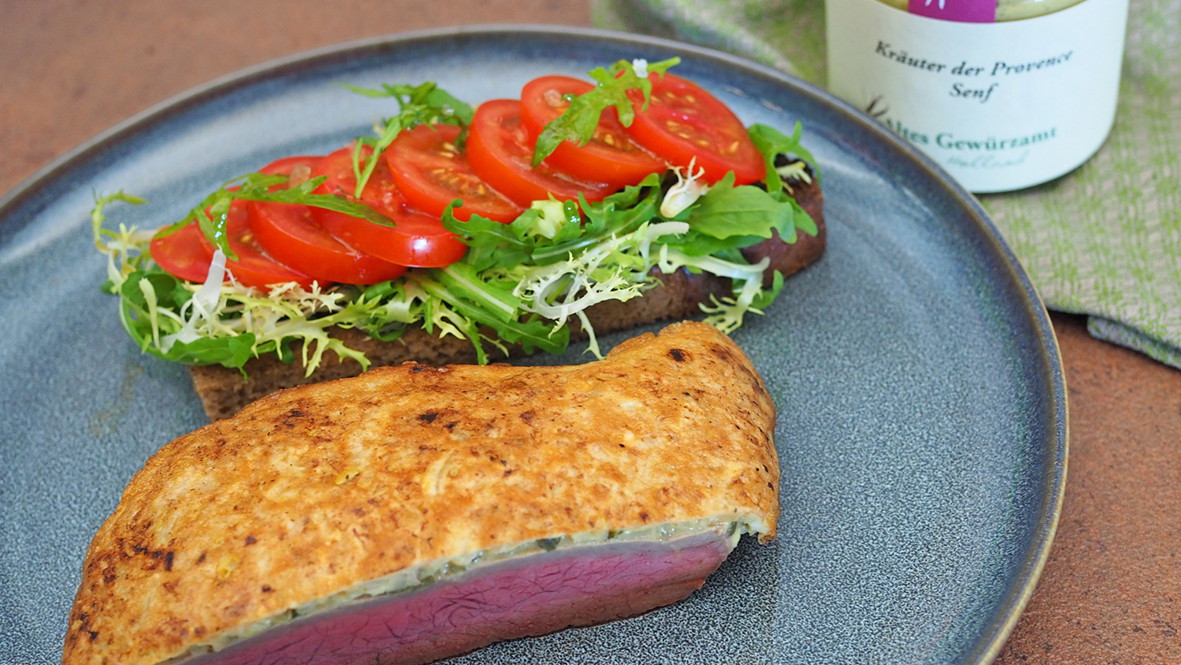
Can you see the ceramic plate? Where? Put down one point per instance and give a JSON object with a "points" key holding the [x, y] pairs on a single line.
{"points": [[921, 403]]}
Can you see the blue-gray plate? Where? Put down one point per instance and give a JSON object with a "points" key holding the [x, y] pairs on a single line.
{"points": [[922, 415]]}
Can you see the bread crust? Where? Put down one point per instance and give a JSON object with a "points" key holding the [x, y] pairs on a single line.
{"points": [[316, 488], [223, 391]]}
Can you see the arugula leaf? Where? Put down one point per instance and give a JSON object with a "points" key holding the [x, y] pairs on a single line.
{"points": [[491, 243], [771, 143], [462, 290], [425, 103], [233, 351], [579, 120], [522, 241], [304, 194], [726, 210], [211, 213]]}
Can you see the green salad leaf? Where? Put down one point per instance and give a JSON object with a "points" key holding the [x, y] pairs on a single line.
{"points": [[613, 87], [425, 103], [211, 214], [773, 144]]}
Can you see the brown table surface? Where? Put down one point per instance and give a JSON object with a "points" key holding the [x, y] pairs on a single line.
{"points": [[1111, 590]]}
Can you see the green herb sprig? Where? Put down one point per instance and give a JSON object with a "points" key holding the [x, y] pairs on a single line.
{"points": [[613, 88], [425, 103]]}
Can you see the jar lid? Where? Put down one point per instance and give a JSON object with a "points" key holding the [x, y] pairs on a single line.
{"points": [[980, 11]]}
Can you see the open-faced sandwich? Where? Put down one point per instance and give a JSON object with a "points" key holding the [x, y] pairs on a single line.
{"points": [[457, 234]]}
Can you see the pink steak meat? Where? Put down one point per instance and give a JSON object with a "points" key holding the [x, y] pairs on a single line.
{"points": [[519, 597]]}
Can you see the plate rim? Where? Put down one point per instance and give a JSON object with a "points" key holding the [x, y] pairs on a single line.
{"points": [[1032, 563]]}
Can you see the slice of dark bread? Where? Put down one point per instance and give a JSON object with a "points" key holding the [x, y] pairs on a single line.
{"points": [[224, 391]]}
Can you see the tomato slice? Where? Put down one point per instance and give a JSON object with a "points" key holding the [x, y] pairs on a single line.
{"points": [[337, 170], [684, 123], [186, 253], [290, 233], [253, 267], [418, 240], [610, 155], [500, 151], [182, 254], [431, 172]]}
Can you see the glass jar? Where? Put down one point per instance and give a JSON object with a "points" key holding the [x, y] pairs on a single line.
{"points": [[1004, 94]]}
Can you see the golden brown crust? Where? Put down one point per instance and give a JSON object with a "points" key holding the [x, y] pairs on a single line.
{"points": [[223, 391], [316, 488]]}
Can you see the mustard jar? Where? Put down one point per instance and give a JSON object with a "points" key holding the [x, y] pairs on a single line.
{"points": [[1004, 94]]}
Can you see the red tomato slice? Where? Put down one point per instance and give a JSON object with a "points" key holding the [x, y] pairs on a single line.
{"points": [[337, 169], [431, 172], [182, 254], [418, 240], [253, 267], [610, 155], [291, 234], [500, 151], [684, 122]]}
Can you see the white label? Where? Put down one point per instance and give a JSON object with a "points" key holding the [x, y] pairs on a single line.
{"points": [[1000, 106]]}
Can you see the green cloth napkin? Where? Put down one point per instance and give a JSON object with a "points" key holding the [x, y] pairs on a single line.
{"points": [[1104, 240]]}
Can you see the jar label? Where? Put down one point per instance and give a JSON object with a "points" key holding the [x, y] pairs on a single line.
{"points": [[965, 11], [1001, 106]]}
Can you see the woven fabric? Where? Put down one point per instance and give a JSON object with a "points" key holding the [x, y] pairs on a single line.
{"points": [[1104, 240]]}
